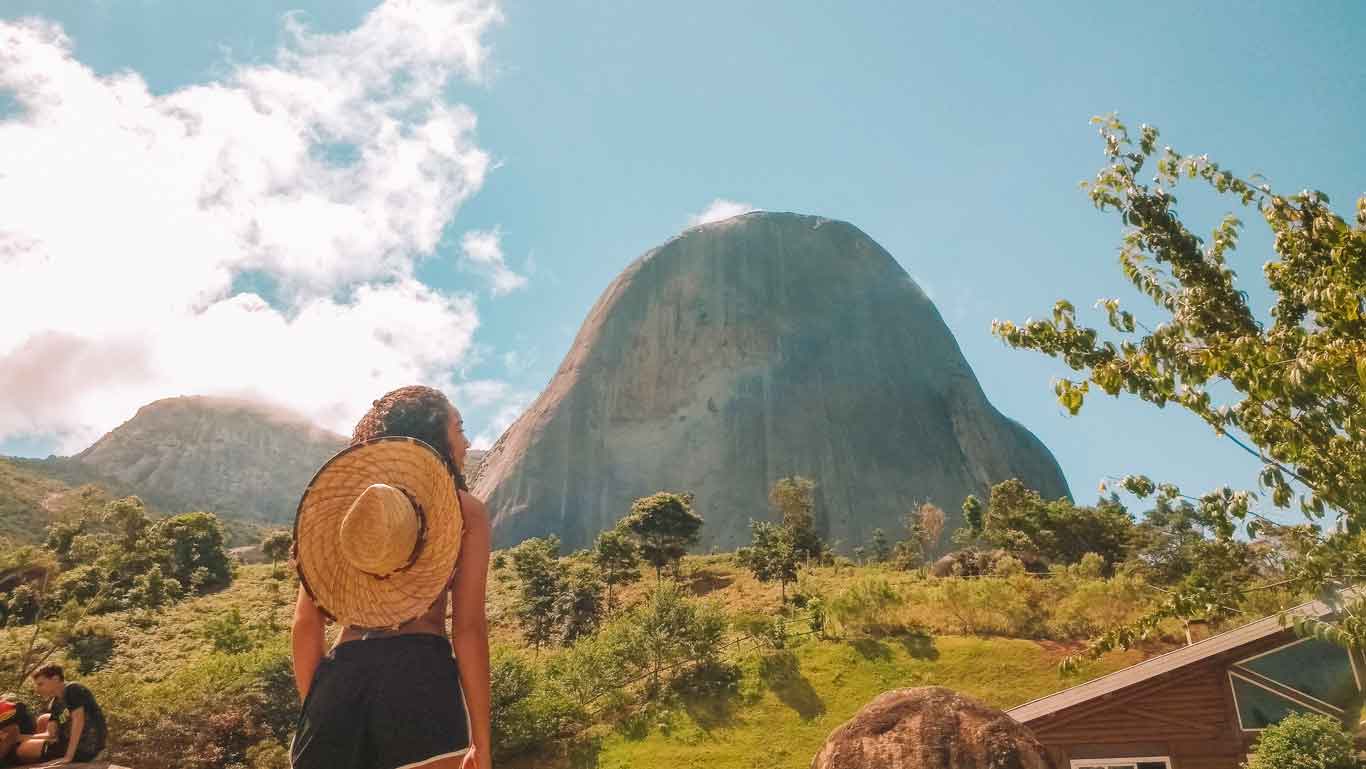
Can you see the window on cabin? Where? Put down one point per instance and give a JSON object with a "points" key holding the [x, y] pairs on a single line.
{"points": [[1155, 762], [1259, 707], [1307, 676], [1319, 669]]}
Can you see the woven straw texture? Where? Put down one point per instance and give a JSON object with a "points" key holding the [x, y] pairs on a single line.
{"points": [[344, 592]]}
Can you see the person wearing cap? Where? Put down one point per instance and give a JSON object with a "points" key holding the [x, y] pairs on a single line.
{"points": [[28, 725], [17, 725], [10, 736], [385, 537]]}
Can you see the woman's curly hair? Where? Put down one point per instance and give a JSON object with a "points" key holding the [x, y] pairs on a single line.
{"points": [[413, 412]]}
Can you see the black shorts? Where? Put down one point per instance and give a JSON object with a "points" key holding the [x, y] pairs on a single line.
{"points": [[383, 703]]}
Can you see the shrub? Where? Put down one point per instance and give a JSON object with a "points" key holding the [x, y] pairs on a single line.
{"points": [[1008, 566], [864, 605], [526, 710], [210, 713], [228, 633], [1302, 741], [1091, 566], [90, 645]]}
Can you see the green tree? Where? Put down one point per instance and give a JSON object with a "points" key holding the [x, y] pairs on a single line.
{"points": [[794, 500], [772, 555], [664, 526], [276, 545], [972, 514], [879, 547], [1022, 522], [1291, 392], [617, 560], [128, 518], [581, 604], [61, 535], [1166, 542], [924, 528], [542, 585], [153, 589], [1304, 741], [667, 630], [198, 559]]}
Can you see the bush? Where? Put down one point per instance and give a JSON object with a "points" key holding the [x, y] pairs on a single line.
{"points": [[527, 709], [214, 712], [268, 754], [90, 645], [1091, 566], [864, 605], [1008, 566], [1304, 742], [228, 633]]}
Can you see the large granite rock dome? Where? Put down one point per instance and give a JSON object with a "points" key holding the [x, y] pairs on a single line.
{"points": [[743, 351]]}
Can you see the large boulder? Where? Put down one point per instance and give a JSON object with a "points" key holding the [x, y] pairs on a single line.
{"points": [[930, 728], [744, 351]]}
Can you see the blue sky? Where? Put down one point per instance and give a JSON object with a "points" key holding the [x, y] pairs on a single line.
{"points": [[953, 134]]}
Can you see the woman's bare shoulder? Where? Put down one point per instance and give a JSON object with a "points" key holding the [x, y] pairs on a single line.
{"points": [[473, 509]]}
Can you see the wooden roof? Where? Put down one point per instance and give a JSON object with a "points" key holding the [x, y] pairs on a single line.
{"points": [[1163, 663]]}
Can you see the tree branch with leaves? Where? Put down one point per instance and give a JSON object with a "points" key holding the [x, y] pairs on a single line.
{"points": [[1291, 391]]}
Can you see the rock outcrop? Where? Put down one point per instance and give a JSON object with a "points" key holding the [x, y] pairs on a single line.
{"points": [[747, 350], [930, 728]]}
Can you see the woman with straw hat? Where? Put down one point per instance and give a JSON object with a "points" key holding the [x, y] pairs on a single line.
{"points": [[386, 534]]}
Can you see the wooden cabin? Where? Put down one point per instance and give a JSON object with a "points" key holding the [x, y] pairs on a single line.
{"points": [[1201, 706]]}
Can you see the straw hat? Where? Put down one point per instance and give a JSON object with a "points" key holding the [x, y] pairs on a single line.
{"points": [[378, 531]]}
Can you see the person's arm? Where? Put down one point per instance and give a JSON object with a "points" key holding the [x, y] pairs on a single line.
{"points": [[77, 726], [307, 637], [470, 627]]}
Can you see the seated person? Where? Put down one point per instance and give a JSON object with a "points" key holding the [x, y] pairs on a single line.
{"points": [[72, 730], [27, 725], [16, 725], [9, 731]]}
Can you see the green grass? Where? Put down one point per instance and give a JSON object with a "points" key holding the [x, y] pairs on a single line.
{"points": [[787, 706]]}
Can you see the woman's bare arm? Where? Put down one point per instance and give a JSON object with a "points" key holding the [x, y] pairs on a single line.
{"points": [[469, 625], [307, 637]]}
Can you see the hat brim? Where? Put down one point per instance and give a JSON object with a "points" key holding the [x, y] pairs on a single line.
{"points": [[347, 594]]}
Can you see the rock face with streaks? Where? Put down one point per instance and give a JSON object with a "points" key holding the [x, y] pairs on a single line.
{"points": [[743, 351]]}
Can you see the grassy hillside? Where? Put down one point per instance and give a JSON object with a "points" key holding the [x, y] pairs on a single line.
{"points": [[789, 703], [35, 492], [785, 704], [30, 499]]}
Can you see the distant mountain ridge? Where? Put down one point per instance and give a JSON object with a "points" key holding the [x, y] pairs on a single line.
{"points": [[244, 461], [236, 458]]}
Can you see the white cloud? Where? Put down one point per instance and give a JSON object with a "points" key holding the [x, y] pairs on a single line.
{"points": [[520, 360], [483, 252], [128, 215], [719, 209]]}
